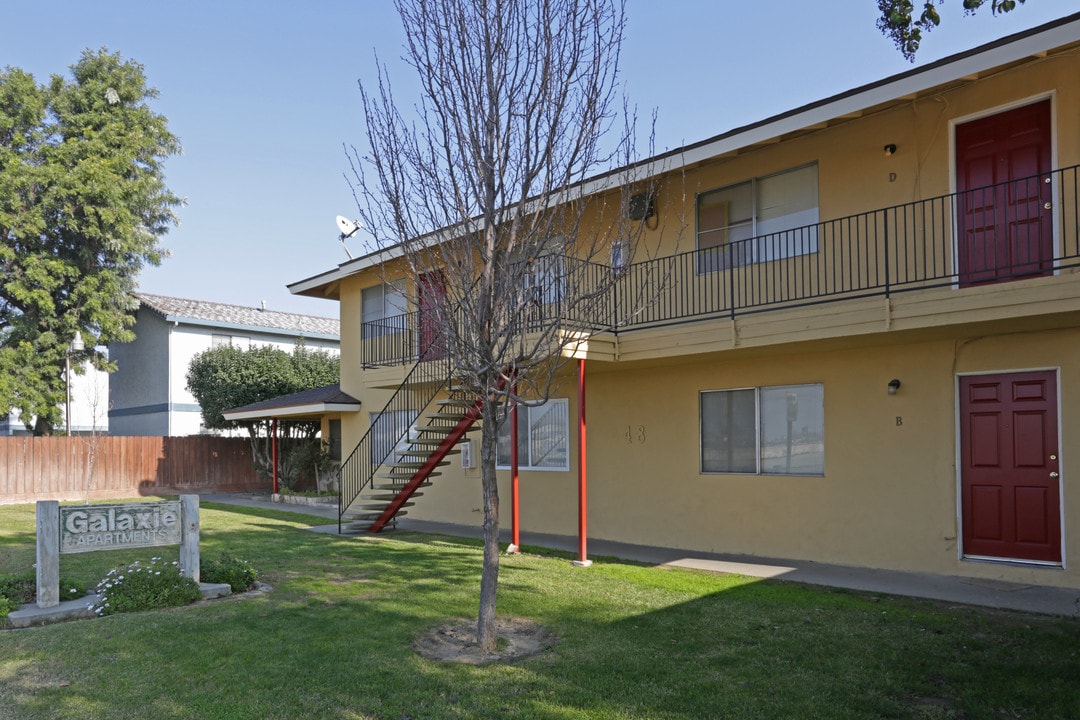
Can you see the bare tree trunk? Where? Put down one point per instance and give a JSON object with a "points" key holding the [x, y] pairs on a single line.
{"points": [[486, 181], [489, 579]]}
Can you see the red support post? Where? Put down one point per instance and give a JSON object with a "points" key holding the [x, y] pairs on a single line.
{"points": [[273, 451], [583, 559], [515, 527]]}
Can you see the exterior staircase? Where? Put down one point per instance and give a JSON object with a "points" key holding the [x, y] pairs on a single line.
{"points": [[396, 481], [412, 464]]}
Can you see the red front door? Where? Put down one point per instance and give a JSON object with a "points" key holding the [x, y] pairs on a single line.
{"points": [[432, 305], [1010, 492], [1003, 190]]}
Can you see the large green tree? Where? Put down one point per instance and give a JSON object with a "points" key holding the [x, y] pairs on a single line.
{"points": [[226, 377], [899, 22], [83, 207]]}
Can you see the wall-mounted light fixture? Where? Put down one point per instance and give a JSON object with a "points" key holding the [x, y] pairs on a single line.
{"points": [[890, 149], [894, 385]]}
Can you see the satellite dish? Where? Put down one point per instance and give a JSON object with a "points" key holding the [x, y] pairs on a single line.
{"points": [[347, 227]]}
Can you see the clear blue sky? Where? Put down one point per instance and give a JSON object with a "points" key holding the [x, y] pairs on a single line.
{"points": [[263, 96]]}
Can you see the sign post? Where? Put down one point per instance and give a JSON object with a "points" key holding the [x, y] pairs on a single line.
{"points": [[87, 528]]}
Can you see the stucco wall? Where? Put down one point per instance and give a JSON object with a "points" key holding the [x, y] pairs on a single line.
{"points": [[888, 496]]}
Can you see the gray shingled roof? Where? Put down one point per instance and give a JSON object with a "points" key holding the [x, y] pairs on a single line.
{"points": [[326, 395], [202, 312]]}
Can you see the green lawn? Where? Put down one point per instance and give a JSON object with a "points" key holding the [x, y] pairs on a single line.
{"points": [[334, 640]]}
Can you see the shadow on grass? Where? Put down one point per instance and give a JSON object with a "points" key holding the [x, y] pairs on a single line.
{"points": [[335, 638]]}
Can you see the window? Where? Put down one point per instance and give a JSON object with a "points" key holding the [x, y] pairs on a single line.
{"points": [[390, 432], [236, 341], [543, 437], [620, 257], [381, 309], [764, 431], [763, 219]]}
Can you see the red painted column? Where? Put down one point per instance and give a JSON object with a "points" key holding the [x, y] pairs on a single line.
{"points": [[583, 560], [515, 527], [273, 451]]}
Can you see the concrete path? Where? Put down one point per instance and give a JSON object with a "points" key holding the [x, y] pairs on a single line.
{"points": [[953, 589]]}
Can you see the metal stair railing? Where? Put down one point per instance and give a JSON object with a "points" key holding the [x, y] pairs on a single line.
{"points": [[417, 390]]}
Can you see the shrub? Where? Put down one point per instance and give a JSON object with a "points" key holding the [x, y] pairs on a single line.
{"points": [[228, 569], [144, 587], [6, 606], [21, 588]]}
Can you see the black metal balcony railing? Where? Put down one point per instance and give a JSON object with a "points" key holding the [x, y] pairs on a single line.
{"points": [[1019, 229]]}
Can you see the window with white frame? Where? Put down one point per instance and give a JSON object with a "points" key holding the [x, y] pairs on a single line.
{"points": [[237, 341], [381, 310], [762, 219], [543, 437], [776, 430]]}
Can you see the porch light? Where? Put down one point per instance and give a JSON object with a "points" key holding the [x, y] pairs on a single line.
{"points": [[890, 149], [894, 385]]}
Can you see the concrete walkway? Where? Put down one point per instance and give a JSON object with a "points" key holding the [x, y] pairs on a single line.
{"points": [[953, 589]]}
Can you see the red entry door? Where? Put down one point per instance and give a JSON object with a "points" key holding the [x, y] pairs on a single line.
{"points": [[1009, 466], [1003, 185], [432, 306]]}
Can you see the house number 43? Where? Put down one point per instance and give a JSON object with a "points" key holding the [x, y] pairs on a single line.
{"points": [[635, 434]]}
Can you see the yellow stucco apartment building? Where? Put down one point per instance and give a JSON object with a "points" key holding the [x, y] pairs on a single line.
{"points": [[866, 350]]}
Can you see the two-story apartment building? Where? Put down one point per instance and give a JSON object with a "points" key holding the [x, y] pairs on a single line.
{"points": [[148, 392], [865, 349]]}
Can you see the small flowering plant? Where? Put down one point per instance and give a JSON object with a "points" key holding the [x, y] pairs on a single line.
{"points": [[158, 584], [226, 568]]}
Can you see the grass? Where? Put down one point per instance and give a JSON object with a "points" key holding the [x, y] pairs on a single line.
{"points": [[333, 640]]}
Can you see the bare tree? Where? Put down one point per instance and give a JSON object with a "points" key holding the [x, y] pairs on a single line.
{"points": [[503, 197]]}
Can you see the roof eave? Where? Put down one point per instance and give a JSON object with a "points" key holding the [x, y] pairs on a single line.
{"points": [[309, 410], [1029, 43]]}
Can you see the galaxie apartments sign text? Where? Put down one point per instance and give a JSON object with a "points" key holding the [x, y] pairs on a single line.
{"points": [[116, 527]]}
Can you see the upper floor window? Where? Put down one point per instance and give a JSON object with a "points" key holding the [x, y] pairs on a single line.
{"points": [[237, 341], [762, 219], [379, 304]]}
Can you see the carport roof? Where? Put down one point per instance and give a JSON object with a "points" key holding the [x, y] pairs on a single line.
{"points": [[304, 405]]}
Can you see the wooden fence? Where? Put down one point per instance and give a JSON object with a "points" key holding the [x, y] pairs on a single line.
{"points": [[74, 468]]}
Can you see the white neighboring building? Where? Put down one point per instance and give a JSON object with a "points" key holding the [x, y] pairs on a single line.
{"points": [[89, 406], [148, 392]]}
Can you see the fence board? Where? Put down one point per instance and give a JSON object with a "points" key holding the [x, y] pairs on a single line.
{"points": [[60, 468]]}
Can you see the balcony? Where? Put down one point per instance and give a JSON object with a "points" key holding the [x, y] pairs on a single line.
{"points": [[1021, 229]]}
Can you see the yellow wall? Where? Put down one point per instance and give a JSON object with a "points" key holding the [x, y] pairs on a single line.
{"points": [[888, 497], [854, 175]]}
